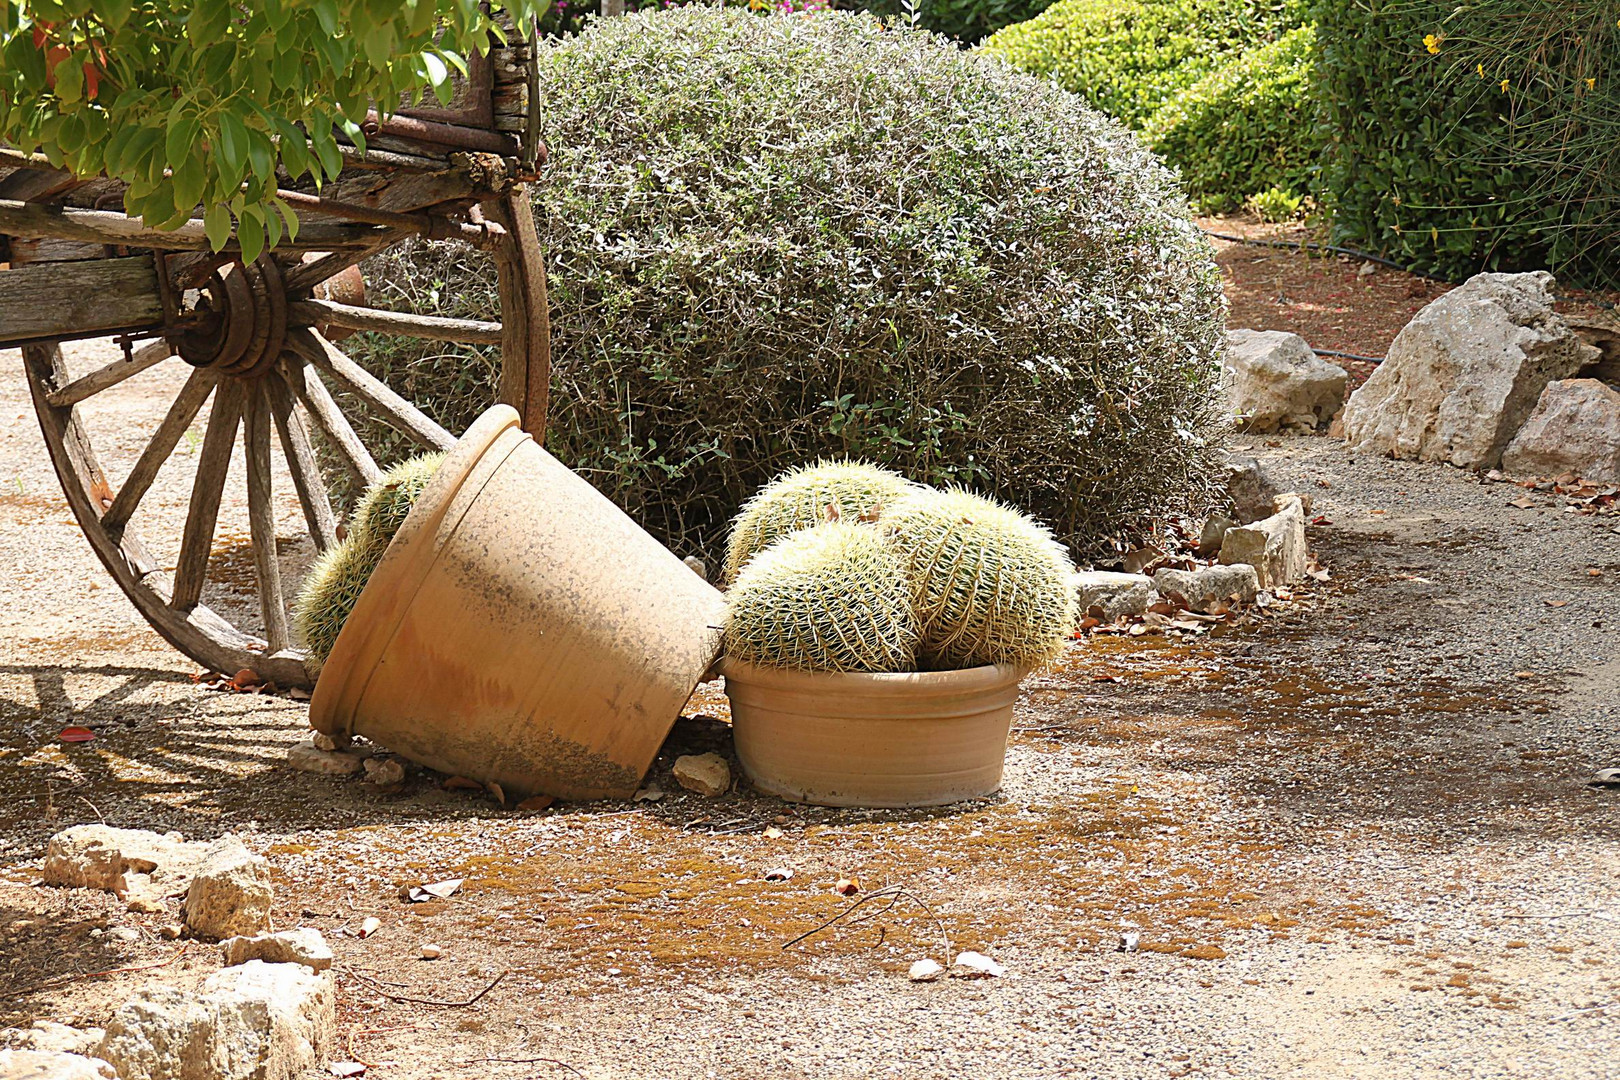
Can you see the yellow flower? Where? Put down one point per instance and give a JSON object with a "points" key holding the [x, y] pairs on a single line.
{"points": [[1590, 83], [1481, 69], [1432, 43], [1504, 86]]}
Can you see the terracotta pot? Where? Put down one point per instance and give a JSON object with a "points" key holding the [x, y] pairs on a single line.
{"points": [[521, 629], [913, 739]]}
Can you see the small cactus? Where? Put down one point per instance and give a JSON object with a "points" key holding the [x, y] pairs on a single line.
{"points": [[338, 577], [329, 593], [826, 491], [988, 584], [387, 503], [833, 597]]}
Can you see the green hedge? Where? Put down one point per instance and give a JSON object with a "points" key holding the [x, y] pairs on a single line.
{"points": [[1130, 58], [1246, 127], [1436, 163], [772, 240]]}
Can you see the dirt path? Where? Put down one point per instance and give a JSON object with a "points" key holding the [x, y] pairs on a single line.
{"points": [[1355, 842]]}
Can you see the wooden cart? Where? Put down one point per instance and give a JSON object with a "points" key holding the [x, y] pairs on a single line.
{"points": [[259, 336]]}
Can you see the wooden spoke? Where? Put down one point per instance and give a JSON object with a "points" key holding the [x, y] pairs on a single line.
{"points": [[212, 466], [306, 385], [148, 355], [328, 312], [329, 265], [181, 414], [262, 517], [306, 472], [389, 406]]}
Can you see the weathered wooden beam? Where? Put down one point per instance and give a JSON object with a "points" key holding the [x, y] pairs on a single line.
{"points": [[306, 385], [525, 316], [106, 227], [330, 313], [78, 299], [149, 355], [181, 413], [262, 517], [390, 408], [197, 540], [302, 463]]}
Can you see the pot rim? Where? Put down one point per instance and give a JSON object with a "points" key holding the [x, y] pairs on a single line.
{"points": [[958, 680], [398, 576]]}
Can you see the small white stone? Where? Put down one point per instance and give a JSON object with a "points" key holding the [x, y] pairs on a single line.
{"points": [[925, 970], [431, 952], [310, 757], [323, 741], [974, 965], [370, 926]]}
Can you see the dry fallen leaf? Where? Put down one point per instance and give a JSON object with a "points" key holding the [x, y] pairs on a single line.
{"points": [[461, 783], [1556, 603], [1524, 674], [497, 791], [76, 734], [772, 832], [344, 1069], [1523, 502], [537, 802], [847, 886], [781, 873], [437, 890], [298, 693]]}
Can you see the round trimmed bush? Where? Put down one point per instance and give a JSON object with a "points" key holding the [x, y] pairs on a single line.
{"points": [[1130, 58], [1246, 127], [772, 240]]}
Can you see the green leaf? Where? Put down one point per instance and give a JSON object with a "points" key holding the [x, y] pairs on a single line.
{"points": [[289, 215], [70, 78], [261, 155], [189, 178], [217, 224], [294, 149], [207, 22], [250, 233], [233, 148], [181, 137]]}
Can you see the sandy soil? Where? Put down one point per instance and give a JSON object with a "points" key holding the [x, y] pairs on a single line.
{"points": [[1355, 839]]}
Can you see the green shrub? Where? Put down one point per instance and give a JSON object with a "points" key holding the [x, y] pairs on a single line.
{"points": [[1130, 58], [1246, 126], [1275, 204], [1469, 138], [772, 240]]}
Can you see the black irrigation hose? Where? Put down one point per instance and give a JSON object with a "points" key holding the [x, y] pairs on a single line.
{"points": [[1297, 245], [1349, 355]]}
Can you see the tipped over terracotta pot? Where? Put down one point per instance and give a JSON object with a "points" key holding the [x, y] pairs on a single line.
{"points": [[521, 629], [880, 740]]}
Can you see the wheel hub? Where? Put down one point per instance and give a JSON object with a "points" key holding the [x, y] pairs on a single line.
{"points": [[241, 319]]}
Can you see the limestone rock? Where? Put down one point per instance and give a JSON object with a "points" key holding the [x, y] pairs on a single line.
{"points": [[1575, 428], [257, 1021], [302, 946], [307, 757], [384, 771], [1213, 532], [1464, 374], [1109, 595], [52, 1065], [1275, 546], [706, 774], [231, 893], [1210, 587], [1250, 489], [122, 861], [47, 1036], [1274, 380]]}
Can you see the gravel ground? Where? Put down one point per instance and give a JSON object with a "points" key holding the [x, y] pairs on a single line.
{"points": [[1354, 838]]}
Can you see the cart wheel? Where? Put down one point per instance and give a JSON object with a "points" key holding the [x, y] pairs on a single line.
{"points": [[261, 354]]}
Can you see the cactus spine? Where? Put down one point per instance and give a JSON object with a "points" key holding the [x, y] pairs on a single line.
{"points": [[988, 584], [339, 575], [826, 491], [833, 597]]}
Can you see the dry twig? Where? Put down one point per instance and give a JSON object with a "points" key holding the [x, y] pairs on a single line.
{"points": [[377, 987], [65, 980], [893, 894]]}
